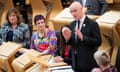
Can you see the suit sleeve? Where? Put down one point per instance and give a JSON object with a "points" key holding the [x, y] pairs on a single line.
{"points": [[94, 38], [103, 5]]}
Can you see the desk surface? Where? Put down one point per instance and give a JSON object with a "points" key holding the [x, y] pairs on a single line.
{"points": [[66, 17], [109, 17], [9, 48]]}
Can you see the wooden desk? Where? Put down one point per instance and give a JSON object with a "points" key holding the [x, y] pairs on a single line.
{"points": [[65, 17], [45, 62], [7, 52], [107, 23]]}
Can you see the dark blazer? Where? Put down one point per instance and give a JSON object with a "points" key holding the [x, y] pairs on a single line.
{"points": [[86, 48], [95, 7]]}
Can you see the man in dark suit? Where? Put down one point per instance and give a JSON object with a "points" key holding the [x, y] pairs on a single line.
{"points": [[85, 38], [94, 7]]}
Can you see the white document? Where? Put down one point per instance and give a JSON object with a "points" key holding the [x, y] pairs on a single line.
{"points": [[60, 69]]}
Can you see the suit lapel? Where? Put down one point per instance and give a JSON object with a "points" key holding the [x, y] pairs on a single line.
{"points": [[84, 24]]}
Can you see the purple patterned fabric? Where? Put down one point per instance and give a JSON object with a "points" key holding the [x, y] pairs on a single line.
{"points": [[40, 43]]}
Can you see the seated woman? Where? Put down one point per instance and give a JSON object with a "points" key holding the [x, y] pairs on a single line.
{"points": [[103, 60], [64, 51], [14, 30], [43, 40]]}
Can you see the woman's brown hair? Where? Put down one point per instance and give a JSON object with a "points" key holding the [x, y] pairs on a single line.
{"points": [[13, 10], [62, 40]]}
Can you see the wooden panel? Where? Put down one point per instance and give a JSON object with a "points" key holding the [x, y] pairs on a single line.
{"points": [[38, 7], [109, 1], [8, 5]]}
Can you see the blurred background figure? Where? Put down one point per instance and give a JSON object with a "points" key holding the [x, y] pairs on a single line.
{"points": [[103, 60], [43, 40], [94, 7], [14, 30], [22, 8], [66, 3]]}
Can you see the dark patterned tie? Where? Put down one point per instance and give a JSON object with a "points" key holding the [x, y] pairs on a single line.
{"points": [[78, 24]]}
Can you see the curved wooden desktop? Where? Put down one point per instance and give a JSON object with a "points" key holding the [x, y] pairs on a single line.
{"points": [[44, 61], [65, 17]]}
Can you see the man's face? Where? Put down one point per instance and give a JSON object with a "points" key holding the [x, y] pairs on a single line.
{"points": [[76, 12]]}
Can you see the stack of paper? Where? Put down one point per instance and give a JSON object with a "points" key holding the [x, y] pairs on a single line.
{"points": [[60, 69]]}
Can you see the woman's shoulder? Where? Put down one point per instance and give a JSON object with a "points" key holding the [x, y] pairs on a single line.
{"points": [[5, 25], [35, 33], [23, 25], [51, 32]]}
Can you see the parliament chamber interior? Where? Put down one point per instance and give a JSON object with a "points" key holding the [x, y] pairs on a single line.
{"points": [[57, 14]]}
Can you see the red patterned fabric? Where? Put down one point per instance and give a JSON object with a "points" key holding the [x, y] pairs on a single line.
{"points": [[43, 46], [66, 53], [111, 69]]}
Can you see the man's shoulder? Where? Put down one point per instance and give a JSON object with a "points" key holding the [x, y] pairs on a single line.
{"points": [[87, 19]]}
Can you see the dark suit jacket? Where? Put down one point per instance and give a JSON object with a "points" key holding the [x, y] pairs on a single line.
{"points": [[95, 7], [90, 43]]}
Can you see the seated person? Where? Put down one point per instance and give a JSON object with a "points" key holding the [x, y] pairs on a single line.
{"points": [[64, 51], [14, 30], [94, 7], [43, 40], [103, 60]]}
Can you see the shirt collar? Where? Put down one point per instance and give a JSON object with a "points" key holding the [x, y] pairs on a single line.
{"points": [[82, 19]]}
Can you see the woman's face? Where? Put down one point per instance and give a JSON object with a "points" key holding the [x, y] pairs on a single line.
{"points": [[40, 24], [12, 18], [66, 33]]}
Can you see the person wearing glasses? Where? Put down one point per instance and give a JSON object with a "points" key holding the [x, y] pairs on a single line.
{"points": [[43, 40], [84, 38]]}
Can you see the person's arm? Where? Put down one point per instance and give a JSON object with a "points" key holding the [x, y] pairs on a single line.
{"points": [[1, 39], [32, 45], [94, 38], [68, 60], [22, 35], [26, 41], [104, 6], [3, 30], [53, 41]]}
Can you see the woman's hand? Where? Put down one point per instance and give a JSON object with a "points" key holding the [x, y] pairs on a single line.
{"points": [[58, 59], [52, 47]]}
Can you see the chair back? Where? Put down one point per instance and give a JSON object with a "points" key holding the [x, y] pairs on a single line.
{"points": [[38, 7], [116, 40], [7, 6]]}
